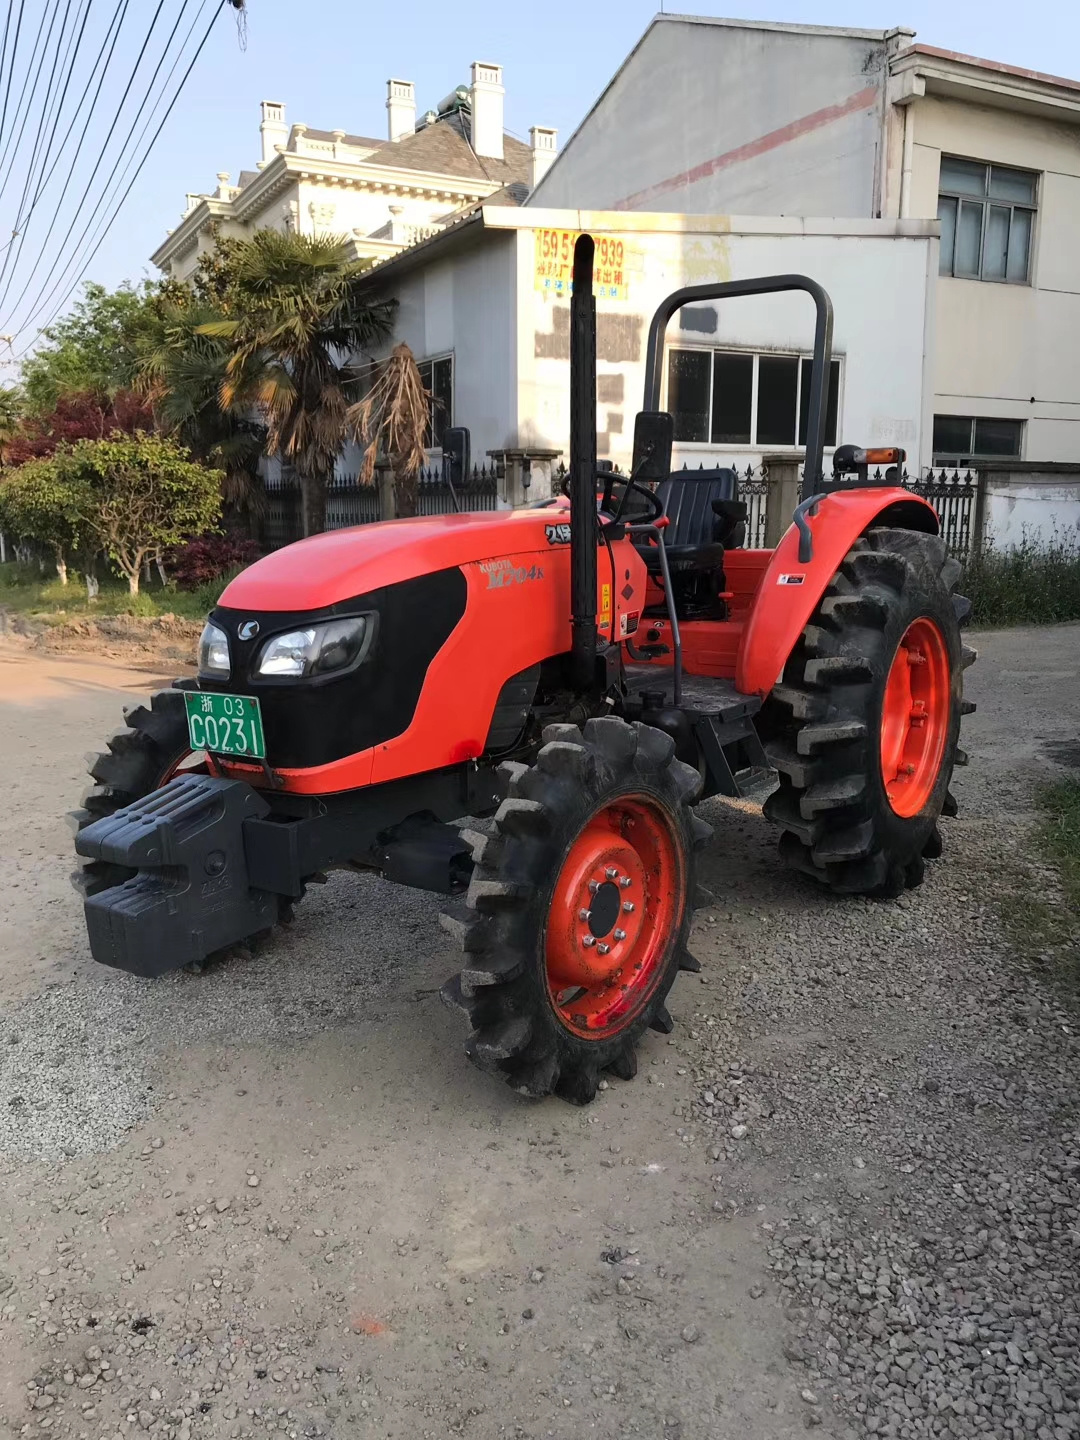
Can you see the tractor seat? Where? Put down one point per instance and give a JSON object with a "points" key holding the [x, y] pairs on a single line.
{"points": [[705, 520]]}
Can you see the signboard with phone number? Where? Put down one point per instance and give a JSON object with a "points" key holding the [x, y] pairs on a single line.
{"points": [[555, 264]]}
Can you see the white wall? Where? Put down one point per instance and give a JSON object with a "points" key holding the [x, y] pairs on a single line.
{"points": [[884, 345], [464, 306], [1010, 351], [1037, 509], [711, 116]]}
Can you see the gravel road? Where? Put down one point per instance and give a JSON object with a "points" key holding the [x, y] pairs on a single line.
{"points": [[844, 1195]]}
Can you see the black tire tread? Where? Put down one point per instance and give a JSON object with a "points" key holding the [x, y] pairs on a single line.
{"points": [[824, 751], [500, 988]]}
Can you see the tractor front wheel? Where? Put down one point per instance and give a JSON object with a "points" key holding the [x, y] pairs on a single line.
{"points": [[869, 716], [577, 917]]}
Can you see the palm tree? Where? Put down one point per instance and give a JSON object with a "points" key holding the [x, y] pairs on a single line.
{"points": [[298, 319], [394, 416], [183, 375]]}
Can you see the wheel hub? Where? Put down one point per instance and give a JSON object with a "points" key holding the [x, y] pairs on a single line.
{"points": [[615, 902], [915, 713]]}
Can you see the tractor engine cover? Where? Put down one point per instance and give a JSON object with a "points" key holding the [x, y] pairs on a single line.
{"points": [[191, 895]]}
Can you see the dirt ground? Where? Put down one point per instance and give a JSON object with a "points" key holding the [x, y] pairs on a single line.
{"points": [[276, 1198]]}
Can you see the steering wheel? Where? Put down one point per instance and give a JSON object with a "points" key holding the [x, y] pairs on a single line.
{"points": [[609, 479]]}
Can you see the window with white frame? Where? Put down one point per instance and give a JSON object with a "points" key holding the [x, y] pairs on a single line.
{"points": [[987, 215], [738, 397], [437, 378]]}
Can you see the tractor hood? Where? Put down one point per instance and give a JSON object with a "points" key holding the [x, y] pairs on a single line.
{"points": [[329, 568]]}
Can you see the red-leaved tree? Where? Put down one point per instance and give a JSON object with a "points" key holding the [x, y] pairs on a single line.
{"points": [[82, 416]]}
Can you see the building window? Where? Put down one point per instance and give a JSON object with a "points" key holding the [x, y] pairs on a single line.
{"points": [[987, 215], [960, 438], [733, 397], [437, 377]]}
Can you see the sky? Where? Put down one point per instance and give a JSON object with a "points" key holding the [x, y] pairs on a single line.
{"points": [[328, 61]]}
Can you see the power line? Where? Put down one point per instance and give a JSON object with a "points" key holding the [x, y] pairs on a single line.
{"points": [[101, 153], [135, 176], [107, 197], [11, 67], [20, 217], [14, 148]]}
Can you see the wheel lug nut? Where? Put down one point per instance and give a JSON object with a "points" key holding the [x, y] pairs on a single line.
{"points": [[611, 873], [594, 885], [625, 882], [628, 906], [620, 934], [603, 949], [588, 941], [583, 914]]}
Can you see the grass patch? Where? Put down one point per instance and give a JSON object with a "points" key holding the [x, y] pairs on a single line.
{"points": [[1046, 929], [42, 597], [1060, 804], [1031, 585]]}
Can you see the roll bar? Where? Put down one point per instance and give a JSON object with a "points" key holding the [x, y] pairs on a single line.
{"points": [[766, 285]]}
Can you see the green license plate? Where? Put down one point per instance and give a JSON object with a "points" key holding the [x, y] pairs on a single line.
{"points": [[225, 724]]}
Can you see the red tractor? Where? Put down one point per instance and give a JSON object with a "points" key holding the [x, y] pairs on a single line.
{"points": [[577, 676]]}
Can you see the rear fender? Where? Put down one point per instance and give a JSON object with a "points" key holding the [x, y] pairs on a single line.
{"points": [[790, 592]]}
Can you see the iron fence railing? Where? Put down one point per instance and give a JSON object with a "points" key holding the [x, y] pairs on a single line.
{"points": [[956, 496]]}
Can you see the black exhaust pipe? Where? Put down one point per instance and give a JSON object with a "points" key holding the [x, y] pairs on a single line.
{"points": [[583, 466]]}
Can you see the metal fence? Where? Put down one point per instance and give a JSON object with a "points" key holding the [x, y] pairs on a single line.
{"points": [[348, 502], [955, 495]]}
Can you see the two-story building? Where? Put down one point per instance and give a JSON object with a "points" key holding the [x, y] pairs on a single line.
{"points": [[382, 195], [744, 117]]}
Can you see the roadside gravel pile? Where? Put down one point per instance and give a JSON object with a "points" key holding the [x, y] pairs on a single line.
{"points": [[923, 1086], [77, 1061]]}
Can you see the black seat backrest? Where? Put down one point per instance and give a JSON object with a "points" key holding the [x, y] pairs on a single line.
{"points": [[688, 497]]}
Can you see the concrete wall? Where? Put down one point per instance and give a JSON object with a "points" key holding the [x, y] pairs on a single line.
{"points": [[1010, 351], [884, 347], [710, 116], [1031, 507]]}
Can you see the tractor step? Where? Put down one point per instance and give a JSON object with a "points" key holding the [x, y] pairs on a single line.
{"points": [[719, 717]]}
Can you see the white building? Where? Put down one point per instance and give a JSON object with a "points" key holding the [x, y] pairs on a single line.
{"points": [[381, 194], [724, 116], [485, 304]]}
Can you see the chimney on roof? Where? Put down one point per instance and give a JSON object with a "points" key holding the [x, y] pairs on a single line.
{"points": [[486, 98], [400, 108], [545, 147], [273, 131]]}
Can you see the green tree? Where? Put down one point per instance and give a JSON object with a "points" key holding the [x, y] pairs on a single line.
{"points": [[11, 413], [40, 502], [182, 375], [298, 318], [138, 494], [96, 347]]}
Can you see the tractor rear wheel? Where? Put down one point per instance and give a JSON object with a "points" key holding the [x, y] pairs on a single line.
{"points": [[870, 706], [151, 750], [577, 917]]}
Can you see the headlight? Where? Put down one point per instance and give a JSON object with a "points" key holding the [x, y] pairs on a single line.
{"points": [[214, 652], [318, 650]]}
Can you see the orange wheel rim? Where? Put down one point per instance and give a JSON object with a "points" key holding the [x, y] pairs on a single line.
{"points": [[619, 896], [915, 717]]}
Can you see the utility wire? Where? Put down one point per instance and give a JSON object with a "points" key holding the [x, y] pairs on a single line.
{"points": [[146, 155], [108, 195], [101, 153], [11, 69], [74, 42], [20, 216], [13, 149], [119, 15]]}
